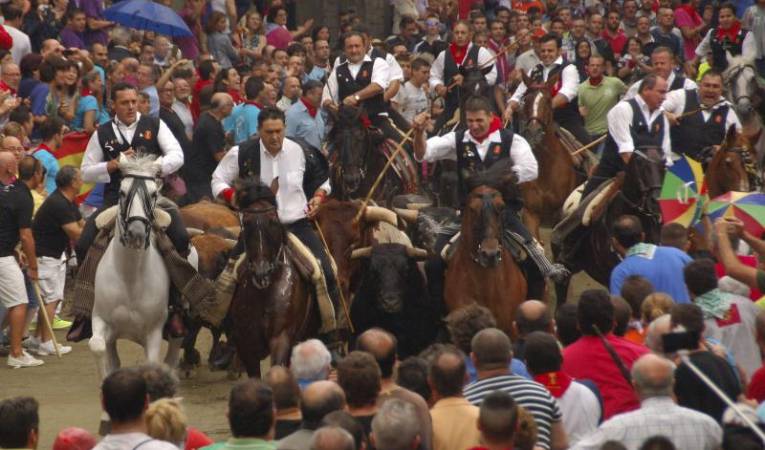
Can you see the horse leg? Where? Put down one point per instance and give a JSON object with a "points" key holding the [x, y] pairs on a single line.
{"points": [[97, 345], [153, 345], [173, 352], [112, 357], [561, 291], [280, 349], [191, 357]]}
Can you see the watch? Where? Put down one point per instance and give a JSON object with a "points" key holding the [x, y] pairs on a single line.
{"points": [[356, 97]]}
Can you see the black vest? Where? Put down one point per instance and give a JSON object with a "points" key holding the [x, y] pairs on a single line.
{"points": [[144, 142], [347, 85], [571, 110], [678, 83], [719, 47], [451, 68], [693, 133], [469, 162], [316, 165], [643, 135]]}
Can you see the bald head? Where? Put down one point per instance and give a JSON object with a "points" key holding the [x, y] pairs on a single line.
{"points": [[653, 376], [12, 145], [332, 438], [9, 165], [491, 349], [532, 315], [447, 373], [319, 399], [382, 346], [656, 329], [222, 104], [284, 387]]}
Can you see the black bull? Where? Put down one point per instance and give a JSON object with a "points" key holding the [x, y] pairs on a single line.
{"points": [[392, 296]]}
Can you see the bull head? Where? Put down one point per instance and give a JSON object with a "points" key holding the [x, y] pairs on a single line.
{"points": [[415, 253]]}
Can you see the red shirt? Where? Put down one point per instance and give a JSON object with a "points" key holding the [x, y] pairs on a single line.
{"points": [[196, 439], [617, 42], [587, 358], [6, 41], [751, 261], [756, 389], [195, 106]]}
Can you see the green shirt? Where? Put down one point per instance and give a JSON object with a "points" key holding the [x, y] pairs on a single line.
{"points": [[598, 100], [242, 444]]}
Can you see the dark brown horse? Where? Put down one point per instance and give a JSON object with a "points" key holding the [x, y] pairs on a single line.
{"points": [[482, 270], [273, 308], [589, 248], [726, 170], [544, 197]]}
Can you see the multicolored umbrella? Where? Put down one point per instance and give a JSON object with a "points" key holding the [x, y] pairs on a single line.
{"points": [[683, 193], [747, 206]]}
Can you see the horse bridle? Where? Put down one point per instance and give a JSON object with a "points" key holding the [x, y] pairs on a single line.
{"points": [[731, 76], [486, 207], [280, 255], [149, 202]]}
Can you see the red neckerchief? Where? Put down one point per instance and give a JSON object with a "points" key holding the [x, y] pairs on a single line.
{"points": [[254, 103], [311, 109], [496, 124], [85, 92], [596, 81], [555, 382], [731, 33], [458, 53], [4, 87], [42, 146]]}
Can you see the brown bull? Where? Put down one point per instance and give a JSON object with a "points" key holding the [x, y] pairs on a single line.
{"points": [[209, 216]]}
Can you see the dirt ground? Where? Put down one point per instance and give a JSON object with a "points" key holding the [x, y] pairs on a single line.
{"points": [[67, 388]]}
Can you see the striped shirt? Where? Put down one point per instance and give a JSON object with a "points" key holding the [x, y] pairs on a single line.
{"points": [[529, 394]]}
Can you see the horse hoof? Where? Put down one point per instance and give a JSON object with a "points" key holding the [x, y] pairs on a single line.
{"points": [[233, 375]]}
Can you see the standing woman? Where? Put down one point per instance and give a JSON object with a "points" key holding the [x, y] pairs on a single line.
{"points": [[64, 93], [277, 34], [219, 43], [252, 36], [90, 111], [229, 81], [583, 51]]}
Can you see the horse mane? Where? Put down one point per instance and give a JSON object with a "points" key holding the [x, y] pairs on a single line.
{"points": [[140, 164], [498, 176], [251, 190]]}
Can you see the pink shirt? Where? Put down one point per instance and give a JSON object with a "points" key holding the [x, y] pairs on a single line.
{"points": [[587, 358], [684, 19]]}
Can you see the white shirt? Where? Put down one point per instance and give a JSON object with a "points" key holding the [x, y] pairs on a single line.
{"points": [[748, 47], [675, 104], [395, 72], [380, 76], [581, 410], [21, 43], [569, 81], [524, 161], [633, 90], [128, 441], [739, 338], [288, 165], [484, 56], [686, 428], [93, 166], [620, 121], [410, 101], [184, 113]]}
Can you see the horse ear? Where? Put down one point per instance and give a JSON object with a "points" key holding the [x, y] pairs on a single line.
{"points": [[730, 138], [552, 81], [485, 71], [122, 159], [728, 57], [158, 165], [526, 79]]}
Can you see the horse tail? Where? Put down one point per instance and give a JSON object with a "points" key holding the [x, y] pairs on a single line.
{"points": [[97, 345]]}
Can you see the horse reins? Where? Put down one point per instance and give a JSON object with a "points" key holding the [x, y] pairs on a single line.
{"points": [[138, 187], [279, 255]]}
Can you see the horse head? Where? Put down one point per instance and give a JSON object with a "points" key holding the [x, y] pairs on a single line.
{"points": [[264, 236], [743, 86], [537, 108], [643, 181], [474, 80], [350, 140], [727, 167], [139, 191], [482, 223]]}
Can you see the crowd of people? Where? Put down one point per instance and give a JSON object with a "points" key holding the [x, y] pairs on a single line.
{"points": [[593, 374]]}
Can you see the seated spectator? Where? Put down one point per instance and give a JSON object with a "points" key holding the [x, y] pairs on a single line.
{"points": [[395, 426], [662, 266], [19, 423], [622, 316], [250, 417], [286, 400], [332, 438], [346, 421], [491, 353], [566, 326], [412, 374], [531, 315], [310, 361], [634, 291], [125, 398], [497, 421], [166, 421], [655, 306], [73, 438], [359, 376], [587, 358], [655, 332], [580, 407], [317, 400]]}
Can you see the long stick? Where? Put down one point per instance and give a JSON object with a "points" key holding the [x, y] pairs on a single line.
{"points": [[399, 149], [46, 319], [339, 289], [590, 145], [700, 108], [489, 61]]}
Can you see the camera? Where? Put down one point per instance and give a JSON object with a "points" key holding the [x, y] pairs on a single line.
{"points": [[683, 340]]}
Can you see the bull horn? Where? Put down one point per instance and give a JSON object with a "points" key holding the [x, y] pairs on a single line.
{"points": [[363, 252], [380, 214], [409, 215], [194, 232], [416, 253]]}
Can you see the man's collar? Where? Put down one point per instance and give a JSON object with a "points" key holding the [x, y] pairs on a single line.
{"points": [[558, 60], [123, 124], [268, 153], [641, 103], [366, 58], [494, 137]]}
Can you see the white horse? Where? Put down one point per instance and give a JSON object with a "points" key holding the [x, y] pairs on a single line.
{"points": [[132, 283], [743, 88]]}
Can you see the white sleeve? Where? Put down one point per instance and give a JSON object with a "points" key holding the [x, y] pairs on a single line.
{"points": [[330, 89], [524, 162], [619, 120], [569, 82], [441, 147], [173, 154], [227, 171], [632, 91], [674, 103], [703, 48], [690, 84], [666, 145], [732, 120], [381, 73], [520, 91], [437, 71], [93, 166], [749, 47], [394, 69], [484, 56]]}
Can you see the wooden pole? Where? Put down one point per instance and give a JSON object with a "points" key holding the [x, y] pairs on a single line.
{"points": [[46, 319], [590, 145]]}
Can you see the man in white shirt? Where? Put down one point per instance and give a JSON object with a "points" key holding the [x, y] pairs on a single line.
{"points": [[709, 118], [13, 21], [664, 65], [653, 379], [564, 91], [412, 98], [633, 124]]}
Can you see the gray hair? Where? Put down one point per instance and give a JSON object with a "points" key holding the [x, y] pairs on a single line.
{"points": [[656, 329], [395, 426], [161, 381], [332, 438], [648, 386], [310, 361], [65, 176]]}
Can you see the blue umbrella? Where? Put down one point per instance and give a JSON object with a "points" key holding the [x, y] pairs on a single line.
{"points": [[147, 15]]}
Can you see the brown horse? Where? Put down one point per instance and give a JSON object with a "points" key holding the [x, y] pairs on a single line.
{"points": [[482, 270], [544, 197], [726, 170], [272, 308]]}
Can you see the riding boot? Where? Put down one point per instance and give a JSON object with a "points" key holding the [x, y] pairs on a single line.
{"points": [[555, 272], [225, 285], [174, 326], [80, 330]]}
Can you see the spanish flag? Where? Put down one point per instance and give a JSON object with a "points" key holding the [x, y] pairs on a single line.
{"points": [[71, 153]]}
